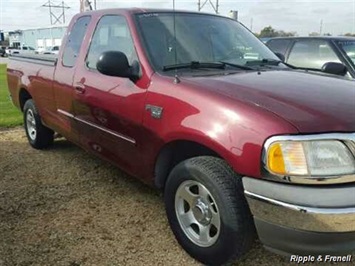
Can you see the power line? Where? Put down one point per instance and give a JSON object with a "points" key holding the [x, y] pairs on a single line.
{"points": [[215, 5], [54, 16]]}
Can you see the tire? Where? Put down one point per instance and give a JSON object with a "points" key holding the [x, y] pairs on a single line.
{"points": [[38, 135], [219, 227]]}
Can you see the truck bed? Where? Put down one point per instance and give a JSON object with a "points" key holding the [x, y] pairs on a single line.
{"points": [[31, 72]]}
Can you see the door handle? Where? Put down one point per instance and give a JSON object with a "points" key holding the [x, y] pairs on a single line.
{"points": [[80, 88]]}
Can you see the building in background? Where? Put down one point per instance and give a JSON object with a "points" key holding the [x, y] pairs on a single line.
{"points": [[40, 38], [233, 14]]}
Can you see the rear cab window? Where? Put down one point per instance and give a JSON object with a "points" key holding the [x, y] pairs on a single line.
{"points": [[74, 42]]}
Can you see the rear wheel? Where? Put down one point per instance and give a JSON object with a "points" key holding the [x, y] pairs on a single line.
{"points": [[38, 135], [207, 210]]}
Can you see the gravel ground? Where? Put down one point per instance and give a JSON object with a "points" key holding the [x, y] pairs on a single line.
{"points": [[66, 207]]}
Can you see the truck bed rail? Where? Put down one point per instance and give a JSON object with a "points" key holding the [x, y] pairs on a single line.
{"points": [[47, 59]]}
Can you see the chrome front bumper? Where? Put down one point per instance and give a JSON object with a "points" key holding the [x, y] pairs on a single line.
{"points": [[302, 217], [313, 212]]}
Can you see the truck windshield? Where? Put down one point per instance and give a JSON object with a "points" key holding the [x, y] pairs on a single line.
{"points": [[348, 46], [199, 38]]}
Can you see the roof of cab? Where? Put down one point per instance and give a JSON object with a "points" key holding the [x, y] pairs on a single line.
{"points": [[137, 10]]}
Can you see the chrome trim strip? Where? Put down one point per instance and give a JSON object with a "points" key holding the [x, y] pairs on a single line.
{"points": [[302, 209], [106, 130], [348, 139], [133, 141], [326, 136], [65, 113]]}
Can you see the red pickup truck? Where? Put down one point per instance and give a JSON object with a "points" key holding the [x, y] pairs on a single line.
{"points": [[241, 145]]}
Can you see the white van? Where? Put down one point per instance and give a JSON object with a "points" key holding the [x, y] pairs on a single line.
{"points": [[21, 50]]}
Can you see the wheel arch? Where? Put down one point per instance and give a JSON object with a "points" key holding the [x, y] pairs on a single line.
{"points": [[23, 95], [174, 152]]}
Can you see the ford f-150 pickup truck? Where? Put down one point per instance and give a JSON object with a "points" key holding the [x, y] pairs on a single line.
{"points": [[243, 147]]}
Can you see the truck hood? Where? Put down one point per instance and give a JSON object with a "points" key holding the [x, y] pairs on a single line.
{"points": [[312, 103]]}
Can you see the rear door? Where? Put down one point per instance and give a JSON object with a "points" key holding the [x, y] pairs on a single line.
{"points": [[63, 79], [110, 109]]}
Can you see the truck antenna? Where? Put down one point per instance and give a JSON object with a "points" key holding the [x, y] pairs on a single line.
{"points": [[176, 80]]}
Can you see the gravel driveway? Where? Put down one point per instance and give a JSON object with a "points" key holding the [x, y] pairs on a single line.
{"points": [[66, 207]]}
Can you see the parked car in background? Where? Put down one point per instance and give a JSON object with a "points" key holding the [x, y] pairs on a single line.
{"points": [[2, 51], [316, 53], [264, 40], [8, 50], [52, 50], [40, 50], [21, 50]]}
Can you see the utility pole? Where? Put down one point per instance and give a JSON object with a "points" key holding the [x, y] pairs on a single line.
{"points": [[251, 24], [215, 5], [85, 5], [321, 27], [54, 16]]}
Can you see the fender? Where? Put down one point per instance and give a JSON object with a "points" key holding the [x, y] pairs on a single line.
{"points": [[233, 129]]}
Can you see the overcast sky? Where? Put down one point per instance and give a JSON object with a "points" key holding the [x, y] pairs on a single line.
{"points": [[302, 16]]}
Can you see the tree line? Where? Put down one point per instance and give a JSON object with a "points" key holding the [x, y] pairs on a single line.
{"points": [[270, 32]]}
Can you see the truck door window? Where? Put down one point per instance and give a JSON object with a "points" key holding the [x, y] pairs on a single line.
{"points": [[111, 34], [75, 39], [312, 54]]}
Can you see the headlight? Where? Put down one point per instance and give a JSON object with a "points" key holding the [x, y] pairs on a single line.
{"points": [[309, 158]]}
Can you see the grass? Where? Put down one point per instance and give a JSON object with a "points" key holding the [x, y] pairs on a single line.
{"points": [[10, 116]]}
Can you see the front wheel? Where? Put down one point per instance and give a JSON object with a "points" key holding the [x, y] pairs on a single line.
{"points": [[38, 135], [207, 210]]}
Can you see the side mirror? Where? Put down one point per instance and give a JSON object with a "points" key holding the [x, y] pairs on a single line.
{"points": [[281, 56], [335, 68], [115, 63]]}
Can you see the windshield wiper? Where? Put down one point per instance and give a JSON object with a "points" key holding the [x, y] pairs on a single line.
{"points": [[195, 65], [275, 62], [237, 66], [265, 62]]}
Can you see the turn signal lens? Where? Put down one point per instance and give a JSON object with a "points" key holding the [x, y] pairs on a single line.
{"points": [[275, 159], [286, 158]]}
